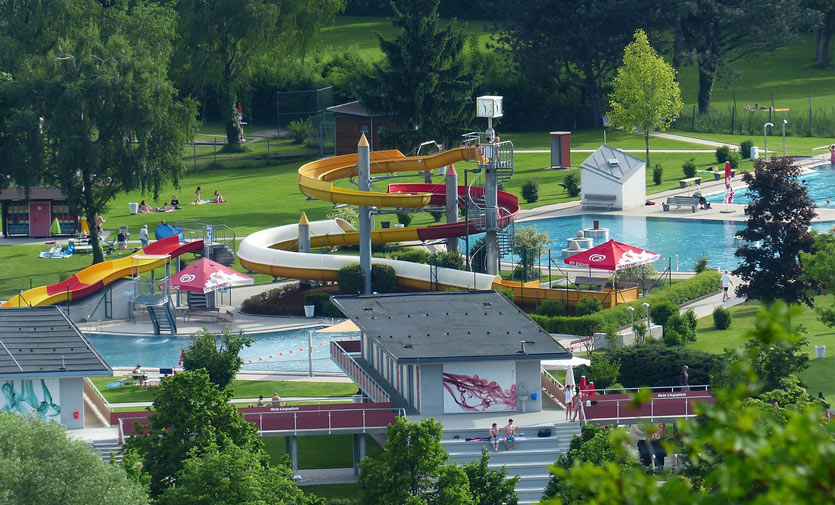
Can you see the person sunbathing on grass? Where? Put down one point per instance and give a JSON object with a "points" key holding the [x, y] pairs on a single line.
{"points": [[218, 198]]}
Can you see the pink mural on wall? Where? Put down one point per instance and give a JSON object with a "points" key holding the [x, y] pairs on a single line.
{"points": [[469, 392]]}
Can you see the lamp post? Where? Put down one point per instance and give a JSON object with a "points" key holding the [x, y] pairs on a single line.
{"points": [[649, 325], [606, 120], [785, 122], [765, 138], [632, 311]]}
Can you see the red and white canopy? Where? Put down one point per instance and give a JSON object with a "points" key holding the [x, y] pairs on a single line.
{"points": [[612, 255], [206, 276]]}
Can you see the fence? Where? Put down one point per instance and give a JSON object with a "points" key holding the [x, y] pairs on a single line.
{"points": [[618, 407]]}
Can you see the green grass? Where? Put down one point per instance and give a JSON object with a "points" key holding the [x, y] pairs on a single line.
{"points": [[329, 491], [592, 139], [240, 388], [794, 145], [820, 376], [322, 451]]}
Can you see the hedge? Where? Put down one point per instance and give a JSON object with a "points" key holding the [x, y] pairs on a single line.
{"points": [[617, 317], [655, 364], [323, 306]]}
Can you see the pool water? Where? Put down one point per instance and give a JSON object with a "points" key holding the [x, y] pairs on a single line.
{"points": [[690, 239], [164, 351], [820, 184]]}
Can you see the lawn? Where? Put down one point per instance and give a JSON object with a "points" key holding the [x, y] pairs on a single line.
{"points": [[592, 139], [820, 376], [240, 389], [322, 451], [329, 491], [798, 146]]}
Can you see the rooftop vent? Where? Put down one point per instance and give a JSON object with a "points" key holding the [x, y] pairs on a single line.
{"points": [[613, 162]]}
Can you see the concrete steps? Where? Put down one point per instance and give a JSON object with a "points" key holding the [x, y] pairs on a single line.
{"points": [[529, 459], [106, 447]]}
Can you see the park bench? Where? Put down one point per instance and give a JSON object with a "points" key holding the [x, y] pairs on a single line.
{"points": [[690, 181], [603, 201], [681, 201], [593, 281], [720, 174], [207, 314]]}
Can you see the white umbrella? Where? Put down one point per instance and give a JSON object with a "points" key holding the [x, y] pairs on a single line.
{"points": [[569, 376]]}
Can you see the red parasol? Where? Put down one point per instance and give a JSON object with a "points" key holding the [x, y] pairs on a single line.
{"points": [[612, 255], [729, 191], [206, 275]]}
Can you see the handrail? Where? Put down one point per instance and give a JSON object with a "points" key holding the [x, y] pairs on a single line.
{"points": [[672, 389], [617, 401], [349, 362], [552, 378], [101, 299]]}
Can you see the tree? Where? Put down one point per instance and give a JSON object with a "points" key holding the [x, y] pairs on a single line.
{"points": [[645, 94], [490, 487], [41, 465], [219, 355], [224, 42], [574, 43], [413, 469], [715, 33], [191, 417], [102, 115], [819, 266], [424, 83], [527, 244], [825, 9], [779, 217], [231, 476]]}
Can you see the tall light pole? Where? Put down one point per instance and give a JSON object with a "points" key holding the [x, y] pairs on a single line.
{"points": [[632, 311], [785, 122], [606, 120], [649, 324], [765, 138]]}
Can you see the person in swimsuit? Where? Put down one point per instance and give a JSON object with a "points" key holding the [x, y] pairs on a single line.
{"points": [[494, 437], [197, 195], [510, 432]]}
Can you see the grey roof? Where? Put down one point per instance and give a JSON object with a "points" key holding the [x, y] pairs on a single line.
{"points": [[17, 193], [444, 327], [43, 342], [351, 108], [599, 163]]}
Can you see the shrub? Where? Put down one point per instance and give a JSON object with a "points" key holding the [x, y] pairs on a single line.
{"points": [[733, 159], [322, 305], [721, 318], [689, 168], [723, 154], [604, 372], [436, 215], [701, 264], [551, 308], [640, 330], [272, 303], [383, 278], [661, 312], [413, 254], [508, 293], [298, 130], [655, 364], [684, 325], [745, 149], [447, 259], [530, 190], [351, 279], [657, 174], [672, 337], [588, 305], [572, 184], [404, 218]]}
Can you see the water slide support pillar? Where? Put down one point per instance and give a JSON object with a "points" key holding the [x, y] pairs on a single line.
{"points": [[451, 180], [491, 202], [364, 176], [304, 242]]}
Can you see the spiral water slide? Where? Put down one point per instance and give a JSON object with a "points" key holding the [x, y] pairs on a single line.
{"points": [[274, 251]]}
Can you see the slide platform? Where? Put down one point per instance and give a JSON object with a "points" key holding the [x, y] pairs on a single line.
{"points": [[96, 277]]}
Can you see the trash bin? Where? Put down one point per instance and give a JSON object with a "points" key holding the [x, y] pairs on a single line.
{"points": [[133, 207], [755, 152], [308, 310], [820, 351], [533, 397]]}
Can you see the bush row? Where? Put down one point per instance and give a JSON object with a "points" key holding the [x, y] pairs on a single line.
{"points": [[655, 364], [322, 304], [620, 316]]}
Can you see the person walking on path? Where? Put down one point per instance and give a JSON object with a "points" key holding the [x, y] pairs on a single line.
{"points": [[684, 379], [143, 236], [726, 283]]}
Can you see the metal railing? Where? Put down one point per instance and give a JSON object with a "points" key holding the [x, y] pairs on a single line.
{"points": [[353, 369], [553, 386], [628, 413], [378, 419], [654, 389]]}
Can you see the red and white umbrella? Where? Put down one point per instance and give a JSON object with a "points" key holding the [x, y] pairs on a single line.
{"points": [[206, 276], [612, 255], [729, 191]]}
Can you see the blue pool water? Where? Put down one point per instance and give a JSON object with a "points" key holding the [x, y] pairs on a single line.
{"points": [[820, 184], [689, 238], [162, 351]]}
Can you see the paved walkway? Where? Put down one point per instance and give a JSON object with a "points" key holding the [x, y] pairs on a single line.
{"points": [[673, 151], [682, 138], [326, 476]]}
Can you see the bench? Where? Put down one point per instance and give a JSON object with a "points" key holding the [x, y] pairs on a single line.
{"points": [[202, 313], [593, 281], [720, 174], [681, 201], [690, 181], [591, 200]]}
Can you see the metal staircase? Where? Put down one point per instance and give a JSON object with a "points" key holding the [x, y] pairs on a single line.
{"points": [[162, 318], [506, 240]]}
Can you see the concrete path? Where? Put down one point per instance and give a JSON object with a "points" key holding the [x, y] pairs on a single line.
{"points": [[326, 476], [682, 138], [704, 307], [652, 151]]}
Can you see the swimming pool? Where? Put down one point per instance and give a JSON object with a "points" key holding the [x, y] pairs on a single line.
{"points": [[820, 184], [164, 351], [668, 236]]}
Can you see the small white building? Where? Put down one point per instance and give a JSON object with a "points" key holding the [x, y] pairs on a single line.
{"points": [[612, 179]]}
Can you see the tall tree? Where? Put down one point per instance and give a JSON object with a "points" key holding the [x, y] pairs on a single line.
{"points": [[223, 42], [219, 355], [111, 120], [576, 42], [716, 33], [825, 9], [41, 465], [191, 417], [645, 94], [423, 82], [779, 217]]}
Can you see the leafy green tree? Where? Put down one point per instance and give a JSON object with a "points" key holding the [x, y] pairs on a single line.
{"points": [[528, 242], [645, 94], [779, 217], [819, 266], [424, 81], [231, 475], [825, 9], [219, 355], [488, 486], [111, 119], [413, 469], [192, 416], [224, 42], [41, 465]]}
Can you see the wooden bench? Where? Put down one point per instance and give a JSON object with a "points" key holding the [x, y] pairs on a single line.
{"points": [[203, 313], [690, 181], [720, 174], [593, 281], [681, 201], [591, 200]]}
